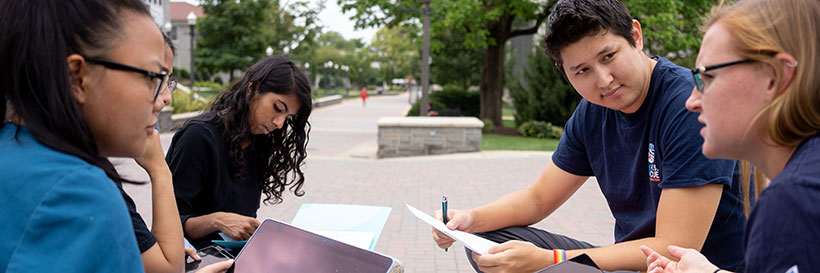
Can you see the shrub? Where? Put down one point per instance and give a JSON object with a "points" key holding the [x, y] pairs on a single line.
{"points": [[183, 103], [545, 95], [209, 85], [540, 129], [466, 102]]}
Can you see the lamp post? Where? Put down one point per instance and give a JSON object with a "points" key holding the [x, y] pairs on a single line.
{"points": [[425, 61], [192, 23], [269, 51]]}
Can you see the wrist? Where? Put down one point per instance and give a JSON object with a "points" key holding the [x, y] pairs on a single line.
{"points": [[558, 256]]}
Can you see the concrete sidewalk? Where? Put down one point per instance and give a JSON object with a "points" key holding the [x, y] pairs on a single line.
{"points": [[339, 170]]}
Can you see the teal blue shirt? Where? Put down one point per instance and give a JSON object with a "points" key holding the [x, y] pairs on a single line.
{"points": [[58, 213]]}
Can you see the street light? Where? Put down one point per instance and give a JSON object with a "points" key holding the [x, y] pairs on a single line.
{"points": [[269, 51], [192, 23]]}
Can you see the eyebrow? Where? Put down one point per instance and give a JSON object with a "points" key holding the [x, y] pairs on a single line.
{"points": [[606, 49], [162, 67], [284, 104]]}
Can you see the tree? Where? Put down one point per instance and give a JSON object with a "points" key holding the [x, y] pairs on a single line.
{"points": [[670, 29], [396, 50], [485, 24], [546, 95], [235, 34], [461, 66]]}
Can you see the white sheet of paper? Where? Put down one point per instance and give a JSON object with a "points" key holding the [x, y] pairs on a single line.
{"points": [[360, 239], [476, 244]]}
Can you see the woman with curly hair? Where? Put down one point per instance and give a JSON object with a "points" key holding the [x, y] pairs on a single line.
{"points": [[251, 140]]}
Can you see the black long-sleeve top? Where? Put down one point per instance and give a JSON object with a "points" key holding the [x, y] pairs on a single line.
{"points": [[204, 182]]}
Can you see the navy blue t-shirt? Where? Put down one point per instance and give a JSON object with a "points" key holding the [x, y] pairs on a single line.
{"points": [[634, 156], [784, 226]]}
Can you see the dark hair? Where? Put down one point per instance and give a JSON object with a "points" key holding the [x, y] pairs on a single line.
{"points": [[572, 20], [282, 150], [169, 43], [37, 37]]}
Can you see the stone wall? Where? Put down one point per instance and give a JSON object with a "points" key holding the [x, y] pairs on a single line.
{"points": [[414, 136]]}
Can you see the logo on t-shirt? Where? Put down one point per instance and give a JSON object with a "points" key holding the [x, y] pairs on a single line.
{"points": [[654, 172]]}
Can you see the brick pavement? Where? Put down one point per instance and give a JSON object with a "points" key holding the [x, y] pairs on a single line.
{"points": [[335, 173]]}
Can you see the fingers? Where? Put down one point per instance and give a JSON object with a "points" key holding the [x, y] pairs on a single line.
{"points": [[190, 252], [216, 267], [677, 251], [442, 240], [646, 250]]}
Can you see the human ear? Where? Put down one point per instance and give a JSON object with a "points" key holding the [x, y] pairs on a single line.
{"points": [[78, 77], [789, 67], [637, 34]]}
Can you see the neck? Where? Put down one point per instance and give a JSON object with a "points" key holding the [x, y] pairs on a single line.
{"points": [[771, 159]]}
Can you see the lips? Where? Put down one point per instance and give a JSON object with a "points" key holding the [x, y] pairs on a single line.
{"points": [[612, 92]]}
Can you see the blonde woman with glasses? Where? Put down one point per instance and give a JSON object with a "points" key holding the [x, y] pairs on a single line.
{"points": [[758, 94]]}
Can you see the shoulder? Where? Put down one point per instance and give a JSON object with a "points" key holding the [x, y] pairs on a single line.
{"points": [[82, 210], [673, 81], [198, 132]]}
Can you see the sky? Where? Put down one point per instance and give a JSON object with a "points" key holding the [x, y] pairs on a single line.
{"points": [[334, 20]]}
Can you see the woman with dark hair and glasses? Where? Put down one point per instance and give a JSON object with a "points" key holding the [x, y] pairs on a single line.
{"points": [[79, 83], [251, 140], [758, 94]]}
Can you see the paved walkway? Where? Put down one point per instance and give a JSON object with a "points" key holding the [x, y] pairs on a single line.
{"points": [[340, 169]]}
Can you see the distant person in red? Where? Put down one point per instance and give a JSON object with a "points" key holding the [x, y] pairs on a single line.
{"points": [[363, 95]]}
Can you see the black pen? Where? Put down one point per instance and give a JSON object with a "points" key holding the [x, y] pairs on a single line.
{"points": [[444, 211]]}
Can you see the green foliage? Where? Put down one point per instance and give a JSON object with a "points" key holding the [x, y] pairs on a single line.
{"points": [[546, 97], [540, 129], [182, 73], [451, 98], [671, 28], [460, 65], [488, 125], [183, 103], [209, 85], [235, 34], [398, 50], [414, 110]]}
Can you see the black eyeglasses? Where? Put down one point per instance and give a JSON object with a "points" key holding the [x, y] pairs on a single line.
{"points": [[700, 69], [158, 78]]}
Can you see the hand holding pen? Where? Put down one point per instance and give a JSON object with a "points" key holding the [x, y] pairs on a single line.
{"points": [[454, 219]]}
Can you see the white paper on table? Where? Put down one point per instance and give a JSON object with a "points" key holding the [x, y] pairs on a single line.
{"points": [[476, 244], [360, 239]]}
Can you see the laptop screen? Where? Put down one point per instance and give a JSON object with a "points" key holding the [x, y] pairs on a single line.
{"points": [[279, 247]]}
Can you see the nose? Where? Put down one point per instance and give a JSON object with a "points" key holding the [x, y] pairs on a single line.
{"points": [[604, 78], [693, 103], [279, 121]]}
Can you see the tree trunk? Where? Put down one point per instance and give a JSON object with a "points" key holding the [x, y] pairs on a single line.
{"points": [[492, 81]]}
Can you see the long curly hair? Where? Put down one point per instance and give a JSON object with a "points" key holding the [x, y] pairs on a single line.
{"points": [[280, 152]]}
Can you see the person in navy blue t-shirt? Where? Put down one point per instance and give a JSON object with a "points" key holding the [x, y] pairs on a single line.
{"points": [[634, 134], [758, 93]]}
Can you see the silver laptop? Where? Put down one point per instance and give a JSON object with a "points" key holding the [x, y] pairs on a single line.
{"points": [[280, 247]]}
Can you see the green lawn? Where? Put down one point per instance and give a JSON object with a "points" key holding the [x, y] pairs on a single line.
{"points": [[209, 94], [507, 110], [492, 142]]}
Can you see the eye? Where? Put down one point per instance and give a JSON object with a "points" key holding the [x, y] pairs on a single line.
{"points": [[706, 79], [609, 56], [276, 108], [582, 71]]}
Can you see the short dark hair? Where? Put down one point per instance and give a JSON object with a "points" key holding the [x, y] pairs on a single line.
{"points": [[572, 20]]}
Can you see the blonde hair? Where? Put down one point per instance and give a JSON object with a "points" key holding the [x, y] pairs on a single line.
{"points": [[761, 29]]}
